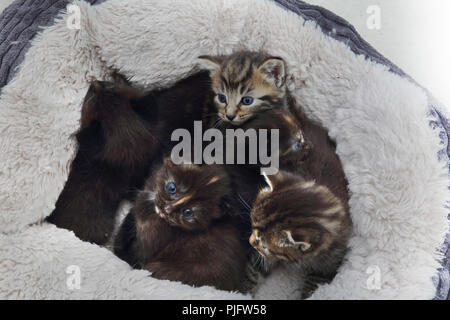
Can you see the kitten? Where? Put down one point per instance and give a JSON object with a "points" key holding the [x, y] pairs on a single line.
{"points": [[246, 83], [114, 149], [321, 164], [123, 131], [293, 148], [300, 221], [247, 179], [305, 150], [184, 228]]}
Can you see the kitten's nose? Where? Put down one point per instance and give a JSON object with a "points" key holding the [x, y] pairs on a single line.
{"points": [[230, 117]]}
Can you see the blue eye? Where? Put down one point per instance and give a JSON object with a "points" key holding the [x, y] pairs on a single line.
{"points": [[297, 146], [171, 188], [222, 98], [188, 213], [247, 101]]}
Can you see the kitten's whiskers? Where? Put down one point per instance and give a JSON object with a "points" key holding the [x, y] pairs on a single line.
{"points": [[243, 202]]}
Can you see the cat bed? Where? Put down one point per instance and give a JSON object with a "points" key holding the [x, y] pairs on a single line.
{"points": [[391, 135]]}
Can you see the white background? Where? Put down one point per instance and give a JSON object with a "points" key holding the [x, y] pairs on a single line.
{"points": [[414, 34]]}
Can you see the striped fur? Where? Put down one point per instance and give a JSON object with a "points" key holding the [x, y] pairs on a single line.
{"points": [[300, 221], [246, 74]]}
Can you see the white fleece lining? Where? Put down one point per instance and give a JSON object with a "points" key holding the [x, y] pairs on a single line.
{"points": [[378, 119]]}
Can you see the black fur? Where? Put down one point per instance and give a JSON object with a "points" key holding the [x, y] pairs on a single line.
{"points": [[123, 131]]}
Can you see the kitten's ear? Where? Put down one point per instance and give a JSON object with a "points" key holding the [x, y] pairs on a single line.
{"points": [[210, 62], [274, 71], [287, 240], [273, 179], [302, 238]]}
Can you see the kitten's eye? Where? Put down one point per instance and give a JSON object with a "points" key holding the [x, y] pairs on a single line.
{"points": [[297, 146], [188, 213], [222, 98], [246, 101], [171, 188]]}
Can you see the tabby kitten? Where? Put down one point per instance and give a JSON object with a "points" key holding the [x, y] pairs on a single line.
{"points": [[316, 186], [247, 180], [184, 228], [300, 221], [246, 83]]}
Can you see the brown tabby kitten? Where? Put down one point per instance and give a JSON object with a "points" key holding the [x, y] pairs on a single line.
{"points": [[301, 221], [318, 188], [123, 131], [184, 228], [246, 83]]}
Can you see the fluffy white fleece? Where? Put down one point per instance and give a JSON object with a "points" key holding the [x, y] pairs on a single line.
{"points": [[378, 119]]}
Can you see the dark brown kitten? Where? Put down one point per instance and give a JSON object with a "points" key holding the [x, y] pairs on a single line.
{"points": [[115, 147], [322, 164], [122, 132], [184, 228], [293, 148], [301, 221]]}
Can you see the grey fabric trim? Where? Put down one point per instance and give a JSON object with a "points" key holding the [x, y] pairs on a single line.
{"points": [[442, 123], [19, 24]]}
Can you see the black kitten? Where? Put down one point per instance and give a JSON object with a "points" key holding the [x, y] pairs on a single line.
{"points": [[122, 132]]}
